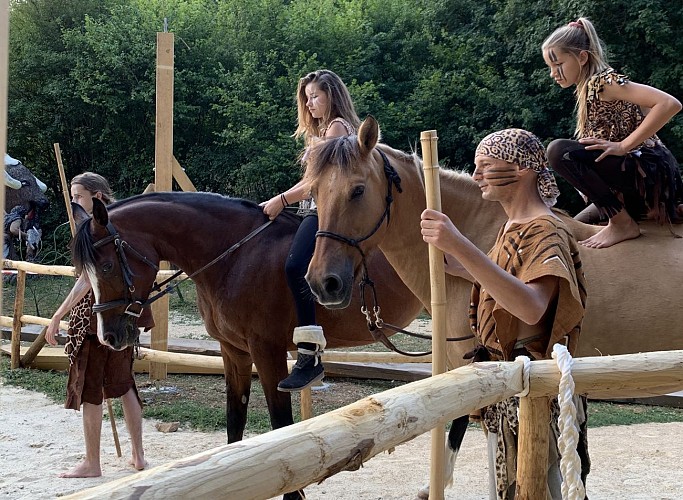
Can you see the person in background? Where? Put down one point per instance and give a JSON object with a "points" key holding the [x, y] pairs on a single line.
{"points": [[96, 372]]}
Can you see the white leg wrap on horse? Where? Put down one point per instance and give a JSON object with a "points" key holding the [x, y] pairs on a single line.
{"points": [[312, 334]]}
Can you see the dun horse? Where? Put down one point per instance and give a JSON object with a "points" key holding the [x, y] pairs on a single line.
{"points": [[243, 297], [372, 194]]}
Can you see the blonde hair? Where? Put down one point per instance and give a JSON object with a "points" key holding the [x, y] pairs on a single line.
{"points": [[341, 104], [575, 37], [95, 183]]}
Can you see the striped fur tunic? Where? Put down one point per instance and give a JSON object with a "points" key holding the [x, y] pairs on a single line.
{"points": [[529, 251]]}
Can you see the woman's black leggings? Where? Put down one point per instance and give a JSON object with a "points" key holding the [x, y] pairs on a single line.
{"points": [[598, 181], [300, 255]]}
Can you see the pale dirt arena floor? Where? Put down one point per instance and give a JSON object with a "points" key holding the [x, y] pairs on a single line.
{"points": [[39, 439]]}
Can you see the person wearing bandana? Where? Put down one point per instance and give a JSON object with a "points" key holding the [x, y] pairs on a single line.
{"points": [[528, 293]]}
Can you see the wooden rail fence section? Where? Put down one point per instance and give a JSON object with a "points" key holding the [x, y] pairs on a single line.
{"points": [[310, 451]]}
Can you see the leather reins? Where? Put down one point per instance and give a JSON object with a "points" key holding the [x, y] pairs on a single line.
{"points": [[129, 300]]}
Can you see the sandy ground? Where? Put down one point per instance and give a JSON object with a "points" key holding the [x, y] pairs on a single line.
{"points": [[40, 439]]}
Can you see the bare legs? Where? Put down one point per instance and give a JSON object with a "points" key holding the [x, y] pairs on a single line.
{"points": [[132, 412], [92, 431], [620, 228]]}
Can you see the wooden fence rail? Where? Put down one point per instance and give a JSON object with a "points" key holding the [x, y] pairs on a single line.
{"points": [[310, 451]]}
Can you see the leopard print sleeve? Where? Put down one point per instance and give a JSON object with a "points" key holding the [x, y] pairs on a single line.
{"points": [[597, 82]]}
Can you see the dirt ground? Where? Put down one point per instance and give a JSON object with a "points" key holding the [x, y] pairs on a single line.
{"points": [[40, 439]]}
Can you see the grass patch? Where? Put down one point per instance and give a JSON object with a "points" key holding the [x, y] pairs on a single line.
{"points": [[198, 401]]}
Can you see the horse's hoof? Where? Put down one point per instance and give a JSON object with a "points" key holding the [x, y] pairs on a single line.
{"points": [[423, 494]]}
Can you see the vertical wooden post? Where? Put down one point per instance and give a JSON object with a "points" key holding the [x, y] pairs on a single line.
{"points": [[532, 448], [65, 188], [306, 403], [163, 179], [4, 68], [15, 347], [430, 164]]}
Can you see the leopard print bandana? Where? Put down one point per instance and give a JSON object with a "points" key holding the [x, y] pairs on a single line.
{"points": [[515, 145]]}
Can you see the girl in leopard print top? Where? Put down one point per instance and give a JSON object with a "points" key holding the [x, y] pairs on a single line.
{"points": [[617, 162]]}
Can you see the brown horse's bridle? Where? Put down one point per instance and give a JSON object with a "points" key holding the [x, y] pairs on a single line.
{"points": [[162, 288], [375, 322]]}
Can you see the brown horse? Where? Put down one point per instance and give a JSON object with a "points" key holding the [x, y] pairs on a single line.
{"points": [[243, 298], [633, 287]]}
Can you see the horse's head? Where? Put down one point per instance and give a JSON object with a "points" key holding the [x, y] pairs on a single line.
{"points": [[121, 274], [352, 183]]}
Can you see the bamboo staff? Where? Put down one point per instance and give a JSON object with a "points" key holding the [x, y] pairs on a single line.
{"points": [[430, 165], [65, 188]]}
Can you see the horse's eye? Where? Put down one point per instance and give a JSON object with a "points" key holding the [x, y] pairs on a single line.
{"points": [[107, 267], [357, 192]]}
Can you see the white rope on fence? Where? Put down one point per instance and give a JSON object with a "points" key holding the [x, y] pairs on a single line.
{"points": [[525, 375], [570, 464]]}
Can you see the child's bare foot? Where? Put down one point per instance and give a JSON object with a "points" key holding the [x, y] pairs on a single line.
{"points": [[615, 232], [84, 469], [138, 463]]}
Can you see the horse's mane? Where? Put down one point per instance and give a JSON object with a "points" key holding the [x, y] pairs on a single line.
{"points": [[342, 152], [82, 249]]}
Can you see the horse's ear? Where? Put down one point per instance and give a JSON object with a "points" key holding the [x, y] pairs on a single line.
{"points": [[99, 212], [368, 135], [79, 213]]}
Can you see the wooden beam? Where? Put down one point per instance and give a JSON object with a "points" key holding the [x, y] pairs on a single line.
{"points": [[4, 69], [295, 456], [163, 177], [181, 177], [16, 324], [532, 449]]}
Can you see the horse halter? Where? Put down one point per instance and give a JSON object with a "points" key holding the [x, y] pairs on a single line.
{"points": [[376, 324], [392, 179], [129, 300]]}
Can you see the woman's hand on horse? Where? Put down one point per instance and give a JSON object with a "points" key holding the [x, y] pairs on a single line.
{"points": [[272, 207], [608, 148]]}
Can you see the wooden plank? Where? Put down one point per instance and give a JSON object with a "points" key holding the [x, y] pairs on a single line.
{"points": [[4, 71], [16, 323], [181, 177]]}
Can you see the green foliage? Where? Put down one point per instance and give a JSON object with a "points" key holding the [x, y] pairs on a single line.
{"points": [[82, 73]]}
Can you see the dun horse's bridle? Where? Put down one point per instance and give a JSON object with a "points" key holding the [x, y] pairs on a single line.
{"points": [[375, 322], [162, 288]]}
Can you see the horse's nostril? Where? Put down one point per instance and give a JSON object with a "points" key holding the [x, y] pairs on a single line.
{"points": [[333, 284], [109, 338]]}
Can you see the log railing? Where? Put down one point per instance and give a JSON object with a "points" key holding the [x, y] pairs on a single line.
{"points": [[296, 456]]}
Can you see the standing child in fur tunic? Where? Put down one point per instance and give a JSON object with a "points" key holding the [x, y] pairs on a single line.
{"points": [[618, 162], [96, 372], [529, 291]]}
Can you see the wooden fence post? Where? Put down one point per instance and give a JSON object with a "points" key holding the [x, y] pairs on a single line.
{"points": [[16, 321], [532, 448]]}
